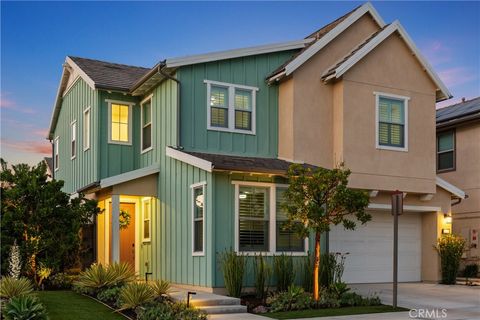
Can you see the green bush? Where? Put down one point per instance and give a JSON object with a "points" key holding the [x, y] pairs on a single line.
{"points": [[233, 268], [134, 295], [295, 298], [11, 287], [169, 311], [160, 287], [61, 281], [283, 267], [24, 308], [470, 271], [109, 295], [352, 299], [450, 248], [307, 268], [328, 299], [327, 269], [262, 272], [97, 277]]}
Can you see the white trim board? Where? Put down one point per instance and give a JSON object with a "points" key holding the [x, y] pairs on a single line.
{"points": [[407, 208], [131, 175], [188, 158], [236, 53], [331, 35], [379, 38], [450, 188]]}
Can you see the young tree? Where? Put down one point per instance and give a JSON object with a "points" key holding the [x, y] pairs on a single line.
{"points": [[42, 218], [318, 198]]}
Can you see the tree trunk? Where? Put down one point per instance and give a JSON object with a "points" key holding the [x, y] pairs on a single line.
{"points": [[316, 267]]}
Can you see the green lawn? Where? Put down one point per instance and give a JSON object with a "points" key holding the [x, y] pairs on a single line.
{"points": [[68, 305], [331, 312]]}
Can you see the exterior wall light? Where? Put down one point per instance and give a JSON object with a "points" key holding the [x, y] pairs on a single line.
{"points": [[448, 218], [445, 231]]}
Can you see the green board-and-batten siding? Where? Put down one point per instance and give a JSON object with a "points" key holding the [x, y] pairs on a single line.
{"points": [[250, 71], [82, 170]]}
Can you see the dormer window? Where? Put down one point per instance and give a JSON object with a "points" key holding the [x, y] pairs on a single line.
{"points": [[230, 107]]}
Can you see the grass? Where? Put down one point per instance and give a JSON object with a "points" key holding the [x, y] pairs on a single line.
{"points": [[68, 305], [311, 313]]}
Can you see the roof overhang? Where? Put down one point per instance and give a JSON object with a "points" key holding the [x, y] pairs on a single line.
{"points": [[337, 71], [131, 175], [461, 120], [455, 191]]}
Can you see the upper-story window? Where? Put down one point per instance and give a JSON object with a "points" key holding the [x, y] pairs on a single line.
{"points": [[56, 160], [230, 107], [86, 129], [73, 141], [146, 121], [120, 122], [392, 122], [446, 150]]}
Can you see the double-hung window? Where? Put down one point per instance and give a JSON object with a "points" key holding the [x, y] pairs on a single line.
{"points": [[261, 221], [230, 107], [392, 122], [147, 214], [146, 134], [86, 129], [198, 218], [120, 122], [56, 161], [446, 150], [73, 141]]}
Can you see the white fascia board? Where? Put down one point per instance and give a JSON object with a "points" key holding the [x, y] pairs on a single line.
{"points": [[407, 208], [236, 53], [188, 158], [131, 175], [326, 39], [56, 106], [379, 38], [82, 74], [450, 188]]}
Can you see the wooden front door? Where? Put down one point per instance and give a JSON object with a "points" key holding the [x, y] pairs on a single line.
{"points": [[127, 235]]}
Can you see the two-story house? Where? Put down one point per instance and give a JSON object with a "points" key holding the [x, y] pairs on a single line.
{"points": [[458, 161], [195, 150]]}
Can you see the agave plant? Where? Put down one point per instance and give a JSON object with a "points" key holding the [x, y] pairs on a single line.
{"points": [[121, 273], [24, 308], [160, 287], [11, 287], [135, 294], [98, 277]]}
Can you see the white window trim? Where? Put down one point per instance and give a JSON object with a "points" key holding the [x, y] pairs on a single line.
{"points": [[149, 200], [405, 131], [56, 163], [231, 106], [272, 221], [89, 128], [73, 132], [194, 186], [148, 98], [130, 104]]}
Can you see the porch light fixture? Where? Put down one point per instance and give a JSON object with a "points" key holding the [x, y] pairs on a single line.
{"points": [[445, 231], [448, 218]]}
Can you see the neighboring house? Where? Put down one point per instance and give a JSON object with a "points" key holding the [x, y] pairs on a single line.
{"points": [[196, 150], [458, 161], [49, 163]]}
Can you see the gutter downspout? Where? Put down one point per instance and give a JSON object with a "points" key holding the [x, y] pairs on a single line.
{"points": [[458, 201], [168, 76]]}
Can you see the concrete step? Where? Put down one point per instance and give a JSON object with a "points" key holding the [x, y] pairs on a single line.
{"points": [[227, 301], [224, 309]]}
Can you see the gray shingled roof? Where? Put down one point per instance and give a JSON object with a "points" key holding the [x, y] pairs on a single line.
{"points": [[459, 110], [107, 75], [245, 164]]}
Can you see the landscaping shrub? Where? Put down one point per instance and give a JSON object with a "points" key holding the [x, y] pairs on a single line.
{"points": [[122, 273], [295, 298], [307, 268], [327, 299], [352, 299], [160, 287], [97, 277], [109, 295], [11, 287], [262, 272], [169, 311], [470, 271], [233, 268], [14, 261], [61, 281], [327, 267], [135, 294], [450, 248], [24, 308], [283, 266]]}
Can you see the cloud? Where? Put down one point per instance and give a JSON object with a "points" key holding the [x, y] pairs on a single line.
{"points": [[36, 147], [10, 104], [437, 52], [456, 76]]}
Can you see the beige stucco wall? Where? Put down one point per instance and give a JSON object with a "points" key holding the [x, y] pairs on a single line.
{"points": [[466, 176], [390, 68], [310, 112]]}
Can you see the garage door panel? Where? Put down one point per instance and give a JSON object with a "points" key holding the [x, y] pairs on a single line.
{"points": [[370, 249]]}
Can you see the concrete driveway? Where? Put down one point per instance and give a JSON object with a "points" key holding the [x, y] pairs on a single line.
{"points": [[429, 300]]}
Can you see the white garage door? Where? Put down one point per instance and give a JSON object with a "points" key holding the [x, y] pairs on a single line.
{"points": [[370, 248]]}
